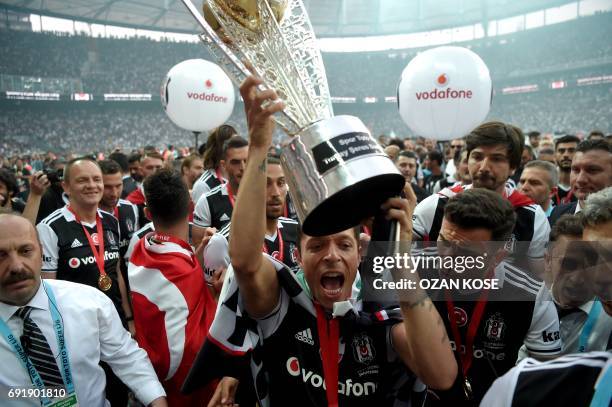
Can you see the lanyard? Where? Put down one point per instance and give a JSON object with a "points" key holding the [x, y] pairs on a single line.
{"points": [[281, 247], [588, 326], [603, 388], [98, 254], [61, 343], [329, 336], [467, 358]]}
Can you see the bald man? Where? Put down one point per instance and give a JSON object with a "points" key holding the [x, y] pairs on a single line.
{"points": [[35, 315]]}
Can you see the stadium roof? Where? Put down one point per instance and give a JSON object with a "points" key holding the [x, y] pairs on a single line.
{"points": [[330, 18]]}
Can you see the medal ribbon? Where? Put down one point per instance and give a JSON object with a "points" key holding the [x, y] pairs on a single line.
{"points": [[230, 194], [281, 246], [98, 254], [466, 360], [329, 337]]}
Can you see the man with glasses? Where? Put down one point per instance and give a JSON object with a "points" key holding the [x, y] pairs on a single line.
{"points": [[487, 327]]}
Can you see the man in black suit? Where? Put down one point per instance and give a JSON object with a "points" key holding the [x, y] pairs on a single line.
{"points": [[591, 172]]}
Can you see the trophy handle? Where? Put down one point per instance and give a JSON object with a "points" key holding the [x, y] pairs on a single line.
{"points": [[233, 66]]}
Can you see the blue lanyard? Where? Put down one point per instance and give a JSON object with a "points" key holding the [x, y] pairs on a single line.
{"points": [[588, 326], [25, 360], [603, 391]]}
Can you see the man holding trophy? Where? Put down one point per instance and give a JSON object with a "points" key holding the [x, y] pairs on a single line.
{"points": [[358, 356], [308, 340]]}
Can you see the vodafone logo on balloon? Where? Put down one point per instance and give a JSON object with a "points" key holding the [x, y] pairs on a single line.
{"points": [[74, 263], [444, 92], [442, 80], [197, 95]]}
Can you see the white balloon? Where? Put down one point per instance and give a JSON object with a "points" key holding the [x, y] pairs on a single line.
{"points": [[197, 95], [444, 93]]}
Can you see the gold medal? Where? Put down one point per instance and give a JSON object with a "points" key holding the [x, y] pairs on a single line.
{"points": [[467, 389], [105, 282]]}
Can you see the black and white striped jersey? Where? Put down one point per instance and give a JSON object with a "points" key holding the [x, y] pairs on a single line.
{"points": [[567, 381], [289, 233], [213, 209], [207, 181], [66, 250]]}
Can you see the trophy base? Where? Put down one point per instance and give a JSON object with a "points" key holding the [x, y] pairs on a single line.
{"points": [[338, 175]]}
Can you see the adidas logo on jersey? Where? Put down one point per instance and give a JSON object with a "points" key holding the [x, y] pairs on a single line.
{"points": [[305, 336], [224, 218], [76, 243]]}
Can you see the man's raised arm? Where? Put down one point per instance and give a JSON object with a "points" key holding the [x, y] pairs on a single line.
{"points": [[256, 276]]}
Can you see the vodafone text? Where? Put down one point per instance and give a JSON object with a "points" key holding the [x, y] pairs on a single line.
{"points": [[347, 387], [444, 94], [209, 97]]}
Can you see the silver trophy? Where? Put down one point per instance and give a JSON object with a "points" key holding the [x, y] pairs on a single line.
{"points": [[337, 173]]}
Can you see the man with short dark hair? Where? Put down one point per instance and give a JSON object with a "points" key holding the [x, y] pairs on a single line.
{"points": [[591, 171], [123, 210], [565, 148], [487, 327], [351, 355], [192, 168], [408, 164], [150, 163], [494, 153], [169, 293], [579, 379], [8, 192], [129, 183], [214, 209], [134, 167], [281, 234], [433, 162]]}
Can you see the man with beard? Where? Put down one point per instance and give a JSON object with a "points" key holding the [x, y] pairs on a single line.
{"points": [[192, 168], [494, 153], [129, 183], [124, 211], [565, 148], [35, 313], [214, 209], [281, 233], [151, 163], [580, 379], [591, 171]]}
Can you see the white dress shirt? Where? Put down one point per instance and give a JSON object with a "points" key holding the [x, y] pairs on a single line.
{"points": [[93, 332]]}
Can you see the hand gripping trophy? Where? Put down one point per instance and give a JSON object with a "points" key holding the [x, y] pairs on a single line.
{"points": [[337, 173]]}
